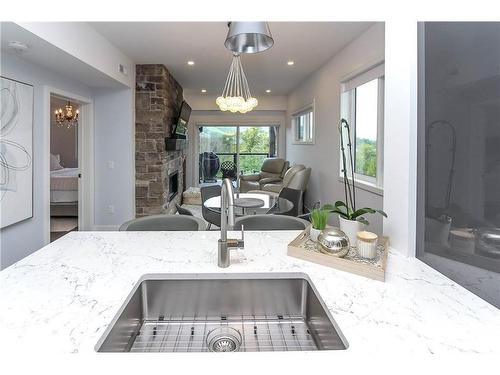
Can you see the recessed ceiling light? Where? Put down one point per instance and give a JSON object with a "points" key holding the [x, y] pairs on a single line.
{"points": [[290, 62], [203, 90], [190, 62], [268, 91]]}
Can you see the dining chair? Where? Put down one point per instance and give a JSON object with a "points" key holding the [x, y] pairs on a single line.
{"points": [[164, 223], [211, 215], [270, 222], [305, 217], [292, 195], [183, 211]]}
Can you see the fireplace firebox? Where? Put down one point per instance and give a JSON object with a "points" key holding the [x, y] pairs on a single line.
{"points": [[173, 185]]}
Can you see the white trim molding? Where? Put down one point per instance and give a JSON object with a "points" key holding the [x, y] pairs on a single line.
{"points": [[298, 112], [85, 159], [400, 130]]}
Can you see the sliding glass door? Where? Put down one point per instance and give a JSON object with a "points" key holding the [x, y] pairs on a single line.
{"points": [[244, 147]]}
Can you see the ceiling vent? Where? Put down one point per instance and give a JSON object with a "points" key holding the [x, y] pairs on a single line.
{"points": [[17, 46], [122, 69]]}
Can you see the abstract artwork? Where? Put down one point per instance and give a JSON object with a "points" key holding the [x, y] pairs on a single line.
{"points": [[16, 150]]}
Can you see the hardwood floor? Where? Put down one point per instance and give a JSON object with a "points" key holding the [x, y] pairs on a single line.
{"points": [[60, 225]]}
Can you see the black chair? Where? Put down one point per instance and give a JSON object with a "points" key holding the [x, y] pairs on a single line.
{"points": [[209, 166], [211, 215], [305, 217], [164, 223], [292, 195], [270, 222], [229, 170], [183, 211]]}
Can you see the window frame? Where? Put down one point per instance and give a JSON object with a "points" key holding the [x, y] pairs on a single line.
{"points": [[298, 113], [224, 123], [349, 85]]}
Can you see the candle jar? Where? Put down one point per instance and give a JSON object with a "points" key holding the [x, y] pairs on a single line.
{"points": [[367, 244]]}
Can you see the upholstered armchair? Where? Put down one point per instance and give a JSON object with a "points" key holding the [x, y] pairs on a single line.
{"points": [[296, 178], [272, 171]]}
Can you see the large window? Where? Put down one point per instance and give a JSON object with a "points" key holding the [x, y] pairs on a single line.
{"points": [[362, 104], [245, 147]]}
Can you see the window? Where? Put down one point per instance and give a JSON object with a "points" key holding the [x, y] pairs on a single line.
{"points": [[247, 146], [303, 126], [362, 105]]}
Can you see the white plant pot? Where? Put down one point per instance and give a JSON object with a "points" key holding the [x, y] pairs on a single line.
{"points": [[351, 229], [314, 233]]}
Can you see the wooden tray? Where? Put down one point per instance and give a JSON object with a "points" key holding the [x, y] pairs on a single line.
{"points": [[304, 248]]}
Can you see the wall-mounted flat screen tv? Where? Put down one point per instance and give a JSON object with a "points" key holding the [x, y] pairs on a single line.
{"points": [[181, 129]]}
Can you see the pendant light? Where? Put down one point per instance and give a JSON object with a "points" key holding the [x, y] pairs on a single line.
{"points": [[236, 95], [248, 37], [67, 117]]}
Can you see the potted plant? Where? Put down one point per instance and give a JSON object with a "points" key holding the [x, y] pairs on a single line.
{"points": [[319, 217], [351, 218]]}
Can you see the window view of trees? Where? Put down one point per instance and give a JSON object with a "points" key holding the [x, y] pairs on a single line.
{"points": [[253, 140], [255, 144], [366, 157], [365, 128]]}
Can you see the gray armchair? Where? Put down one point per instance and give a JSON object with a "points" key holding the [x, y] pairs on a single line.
{"points": [[272, 171], [297, 178]]}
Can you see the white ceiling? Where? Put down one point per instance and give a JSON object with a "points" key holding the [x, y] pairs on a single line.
{"points": [[309, 44], [43, 53]]}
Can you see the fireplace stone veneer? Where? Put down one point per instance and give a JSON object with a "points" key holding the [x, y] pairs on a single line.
{"points": [[158, 98]]}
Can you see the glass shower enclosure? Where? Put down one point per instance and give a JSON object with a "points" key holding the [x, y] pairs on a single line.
{"points": [[458, 221]]}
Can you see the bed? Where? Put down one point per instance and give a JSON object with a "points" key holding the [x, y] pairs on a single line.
{"points": [[64, 192]]}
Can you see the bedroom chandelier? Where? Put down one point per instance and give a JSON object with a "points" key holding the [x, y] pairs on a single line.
{"points": [[67, 117], [236, 96]]}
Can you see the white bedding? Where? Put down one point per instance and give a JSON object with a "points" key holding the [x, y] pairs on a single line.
{"points": [[63, 196], [64, 185], [64, 179]]}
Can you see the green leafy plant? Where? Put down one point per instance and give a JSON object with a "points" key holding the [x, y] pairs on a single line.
{"points": [[347, 209], [319, 217]]}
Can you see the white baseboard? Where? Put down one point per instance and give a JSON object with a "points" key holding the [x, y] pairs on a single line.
{"points": [[105, 228]]}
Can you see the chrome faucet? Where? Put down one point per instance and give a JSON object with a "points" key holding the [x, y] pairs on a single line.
{"points": [[227, 220]]}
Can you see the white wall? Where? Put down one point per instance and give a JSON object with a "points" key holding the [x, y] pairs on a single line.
{"points": [[114, 163], [83, 42], [113, 141], [323, 87], [21, 239], [400, 135]]}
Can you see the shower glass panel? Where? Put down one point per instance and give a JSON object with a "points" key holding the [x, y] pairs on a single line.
{"points": [[458, 221]]}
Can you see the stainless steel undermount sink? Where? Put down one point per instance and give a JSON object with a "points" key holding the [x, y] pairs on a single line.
{"points": [[222, 313]]}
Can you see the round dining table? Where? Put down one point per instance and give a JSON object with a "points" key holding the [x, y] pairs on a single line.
{"points": [[256, 202]]}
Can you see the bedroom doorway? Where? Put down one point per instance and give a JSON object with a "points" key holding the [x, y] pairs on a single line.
{"points": [[65, 165]]}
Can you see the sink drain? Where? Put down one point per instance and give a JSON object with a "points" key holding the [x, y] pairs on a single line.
{"points": [[224, 339]]}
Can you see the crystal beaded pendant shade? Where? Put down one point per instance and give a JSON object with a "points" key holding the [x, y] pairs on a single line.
{"points": [[67, 117], [236, 95]]}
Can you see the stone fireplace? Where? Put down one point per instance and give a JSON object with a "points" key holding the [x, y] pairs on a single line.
{"points": [[158, 100]]}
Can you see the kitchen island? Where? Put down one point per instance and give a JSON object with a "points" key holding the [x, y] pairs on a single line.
{"points": [[61, 298]]}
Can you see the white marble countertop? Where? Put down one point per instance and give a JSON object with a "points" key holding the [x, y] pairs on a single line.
{"points": [[61, 298]]}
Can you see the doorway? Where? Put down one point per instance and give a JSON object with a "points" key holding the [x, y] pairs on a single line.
{"points": [[85, 157], [64, 166]]}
